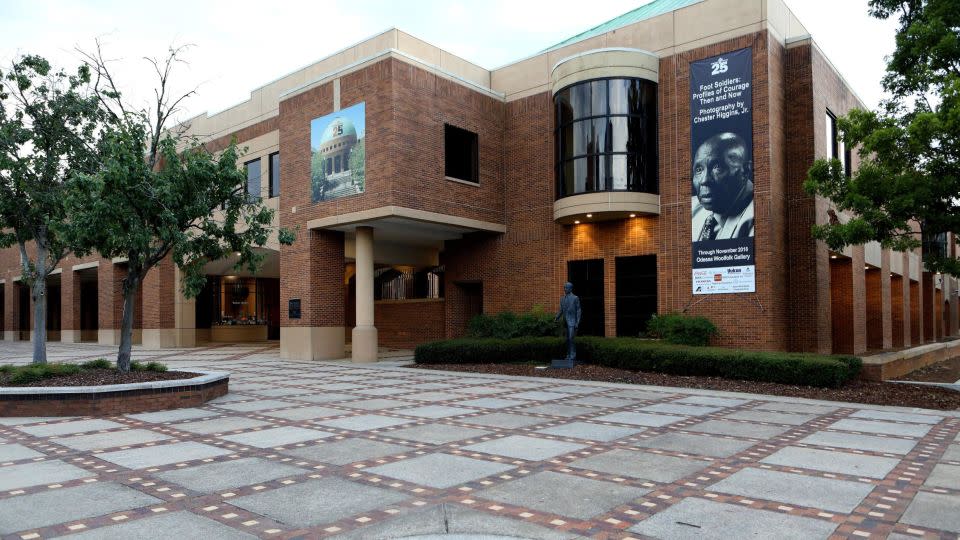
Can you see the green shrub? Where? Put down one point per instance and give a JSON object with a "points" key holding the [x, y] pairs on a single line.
{"points": [[99, 363], [658, 357], [149, 366], [33, 373], [507, 325], [682, 329]]}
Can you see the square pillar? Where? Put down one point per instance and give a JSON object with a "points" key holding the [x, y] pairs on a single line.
{"points": [[158, 306], [899, 331], [6, 321], [110, 301], [364, 337], [69, 306], [928, 307], [311, 272]]}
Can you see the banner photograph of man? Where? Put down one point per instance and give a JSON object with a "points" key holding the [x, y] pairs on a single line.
{"points": [[722, 177]]}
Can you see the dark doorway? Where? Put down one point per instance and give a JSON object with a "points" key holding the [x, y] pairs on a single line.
{"points": [[53, 308], [271, 302], [587, 279], [89, 305], [636, 293], [23, 312], [472, 295]]}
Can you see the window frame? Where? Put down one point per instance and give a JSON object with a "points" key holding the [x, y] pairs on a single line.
{"points": [[474, 154], [274, 169], [246, 167]]}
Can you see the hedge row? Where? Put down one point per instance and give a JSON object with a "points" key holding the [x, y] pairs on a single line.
{"points": [[653, 356]]}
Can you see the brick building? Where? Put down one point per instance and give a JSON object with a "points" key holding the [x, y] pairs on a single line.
{"points": [[427, 189]]}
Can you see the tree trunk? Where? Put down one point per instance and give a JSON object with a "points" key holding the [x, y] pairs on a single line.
{"points": [[39, 294], [126, 324]]}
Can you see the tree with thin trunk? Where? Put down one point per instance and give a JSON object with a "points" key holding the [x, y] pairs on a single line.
{"points": [[48, 129], [909, 149], [159, 193]]}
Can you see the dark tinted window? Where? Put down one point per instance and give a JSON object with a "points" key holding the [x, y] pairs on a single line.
{"points": [[253, 179], [606, 136], [275, 174], [461, 154]]}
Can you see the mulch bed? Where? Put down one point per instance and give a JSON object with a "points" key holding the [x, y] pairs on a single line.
{"points": [[875, 393], [947, 371], [100, 377]]}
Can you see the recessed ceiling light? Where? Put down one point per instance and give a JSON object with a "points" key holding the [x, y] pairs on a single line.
{"points": [[576, 222], [589, 215], [833, 256], [633, 215]]}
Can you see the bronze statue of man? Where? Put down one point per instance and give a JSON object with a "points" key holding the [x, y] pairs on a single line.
{"points": [[570, 312]]}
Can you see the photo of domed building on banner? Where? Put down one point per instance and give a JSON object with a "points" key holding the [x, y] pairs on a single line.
{"points": [[338, 154]]}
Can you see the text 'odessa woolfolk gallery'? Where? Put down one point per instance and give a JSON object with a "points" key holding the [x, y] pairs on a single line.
{"points": [[656, 161]]}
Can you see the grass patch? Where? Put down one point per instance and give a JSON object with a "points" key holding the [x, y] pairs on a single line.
{"points": [[26, 375], [651, 356]]}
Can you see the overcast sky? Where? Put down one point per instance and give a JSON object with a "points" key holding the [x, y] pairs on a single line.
{"points": [[239, 45]]}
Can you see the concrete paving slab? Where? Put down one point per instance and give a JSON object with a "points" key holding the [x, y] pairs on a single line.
{"points": [[23, 420], [435, 411], [16, 452], [591, 432], [221, 425], [703, 445], [433, 396], [772, 417], [306, 413], [437, 433], [68, 504], [694, 518], [504, 420], [576, 389], [379, 404], [739, 429], [886, 428], [934, 510], [182, 524], [640, 419], [952, 453], [564, 495], [363, 422], [679, 408], [39, 474], [601, 401], [642, 395], [942, 476], [560, 409], [897, 416], [440, 470], [347, 451], [523, 447], [229, 474], [794, 407], [284, 392], [326, 397], [162, 454], [318, 501], [795, 489], [538, 395], [112, 439], [493, 403], [281, 436], [711, 401], [871, 443], [174, 415], [832, 462], [383, 391], [656, 467], [67, 428], [257, 405]]}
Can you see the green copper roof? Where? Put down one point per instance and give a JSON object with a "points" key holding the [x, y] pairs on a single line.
{"points": [[646, 11]]}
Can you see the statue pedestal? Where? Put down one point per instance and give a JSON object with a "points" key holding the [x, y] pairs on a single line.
{"points": [[563, 363]]}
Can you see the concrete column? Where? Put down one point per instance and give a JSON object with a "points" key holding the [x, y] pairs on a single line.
{"points": [[365, 333], [69, 306], [110, 305]]}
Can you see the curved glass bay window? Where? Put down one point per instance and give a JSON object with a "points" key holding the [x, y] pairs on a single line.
{"points": [[606, 136]]}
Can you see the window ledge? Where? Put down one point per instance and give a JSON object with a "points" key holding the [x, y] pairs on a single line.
{"points": [[461, 181]]}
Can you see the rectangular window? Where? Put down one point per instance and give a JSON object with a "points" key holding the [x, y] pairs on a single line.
{"points": [[461, 154], [336, 164], [835, 146], [275, 174], [253, 179]]}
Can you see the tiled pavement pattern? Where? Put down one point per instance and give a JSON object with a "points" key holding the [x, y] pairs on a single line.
{"points": [[339, 450]]}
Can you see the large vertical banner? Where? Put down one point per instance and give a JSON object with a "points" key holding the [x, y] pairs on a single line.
{"points": [[338, 154], [721, 133]]}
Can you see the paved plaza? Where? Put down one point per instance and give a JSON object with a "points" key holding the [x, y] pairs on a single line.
{"points": [[305, 450]]}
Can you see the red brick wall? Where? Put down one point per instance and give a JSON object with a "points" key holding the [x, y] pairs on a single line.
{"points": [[406, 324], [874, 293], [158, 292], [916, 321], [842, 304], [896, 309]]}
